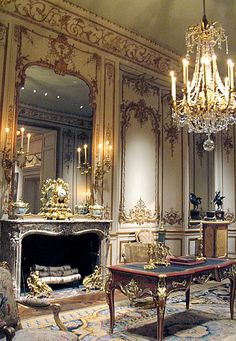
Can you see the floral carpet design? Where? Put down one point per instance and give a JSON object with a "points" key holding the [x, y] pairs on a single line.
{"points": [[207, 319]]}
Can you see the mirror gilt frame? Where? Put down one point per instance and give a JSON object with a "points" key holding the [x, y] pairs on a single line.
{"points": [[56, 52]]}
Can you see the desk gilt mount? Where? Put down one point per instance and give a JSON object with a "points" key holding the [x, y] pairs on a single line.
{"points": [[135, 282]]}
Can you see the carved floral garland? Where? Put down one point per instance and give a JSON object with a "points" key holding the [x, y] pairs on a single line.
{"points": [[139, 214], [172, 217]]}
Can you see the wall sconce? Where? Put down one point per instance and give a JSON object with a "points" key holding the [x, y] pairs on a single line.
{"points": [[84, 167], [104, 163], [20, 157]]}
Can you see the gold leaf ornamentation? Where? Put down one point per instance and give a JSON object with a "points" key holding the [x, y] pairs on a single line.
{"points": [[139, 214]]}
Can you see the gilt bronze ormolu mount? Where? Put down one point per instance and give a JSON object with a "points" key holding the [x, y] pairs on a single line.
{"points": [[157, 255]]}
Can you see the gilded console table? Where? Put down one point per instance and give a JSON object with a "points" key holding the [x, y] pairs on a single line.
{"points": [[14, 231], [132, 280]]}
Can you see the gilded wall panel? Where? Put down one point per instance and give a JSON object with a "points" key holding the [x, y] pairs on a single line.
{"points": [[108, 127], [140, 137], [91, 30]]}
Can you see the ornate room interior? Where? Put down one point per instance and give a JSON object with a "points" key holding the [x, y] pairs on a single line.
{"points": [[87, 95]]}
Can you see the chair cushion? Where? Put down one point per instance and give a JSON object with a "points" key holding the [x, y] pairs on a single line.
{"points": [[28, 334], [8, 306], [145, 236], [135, 252]]}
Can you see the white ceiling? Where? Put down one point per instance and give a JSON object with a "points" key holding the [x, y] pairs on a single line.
{"points": [[165, 21]]}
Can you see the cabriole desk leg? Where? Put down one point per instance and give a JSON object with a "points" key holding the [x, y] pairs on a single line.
{"points": [[187, 295], [109, 291], [232, 295]]}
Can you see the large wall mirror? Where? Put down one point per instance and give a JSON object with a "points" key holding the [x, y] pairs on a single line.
{"points": [[55, 111], [201, 173]]}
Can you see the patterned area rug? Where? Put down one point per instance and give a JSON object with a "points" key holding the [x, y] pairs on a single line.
{"points": [[208, 319]]}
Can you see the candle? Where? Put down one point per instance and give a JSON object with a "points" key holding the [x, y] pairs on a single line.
{"points": [[28, 142], [22, 137], [7, 132], [109, 151], [79, 156], [185, 72], [231, 73], [99, 152], [107, 148], [85, 153], [214, 70], [173, 85], [227, 86]]}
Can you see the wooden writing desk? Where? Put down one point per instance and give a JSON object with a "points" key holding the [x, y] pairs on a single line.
{"points": [[135, 282]]}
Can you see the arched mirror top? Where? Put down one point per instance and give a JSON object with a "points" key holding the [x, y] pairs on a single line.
{"points": [[45, 89]]}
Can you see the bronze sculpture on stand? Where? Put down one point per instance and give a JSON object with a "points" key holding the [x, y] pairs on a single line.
{"points": [[218, 201]]}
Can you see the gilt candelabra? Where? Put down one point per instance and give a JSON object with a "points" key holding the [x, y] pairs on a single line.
{"points": [[19, 158], [103, 165], [84, 167]]}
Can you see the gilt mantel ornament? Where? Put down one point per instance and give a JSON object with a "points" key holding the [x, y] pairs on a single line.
{"points": [[55, 199]]}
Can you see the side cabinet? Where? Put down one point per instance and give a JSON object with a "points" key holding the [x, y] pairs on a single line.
{"points": [[215, 239]]}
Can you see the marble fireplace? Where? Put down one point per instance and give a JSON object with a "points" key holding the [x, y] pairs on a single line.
{"points": [[83, 243]]}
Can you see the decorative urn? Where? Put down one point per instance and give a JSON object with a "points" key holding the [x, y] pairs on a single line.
{"points": [[21, 207], [96, 210]]}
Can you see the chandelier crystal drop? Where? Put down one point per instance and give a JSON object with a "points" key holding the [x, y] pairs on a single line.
{"points": [[208, 104]]}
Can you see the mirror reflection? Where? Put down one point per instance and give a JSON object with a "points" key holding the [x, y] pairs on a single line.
{"points": [[201, 175], [55, 129]]}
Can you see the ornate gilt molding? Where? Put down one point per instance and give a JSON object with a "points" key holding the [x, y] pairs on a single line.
{"points": [[171, 131], [3, 31], [110, 72], [54, 117], [139, 214], [171, 135], [172, 217], [199, 139], [229, 216], [228, 145], [141, 112], [141, 86], [132, 290], [107, 36]]}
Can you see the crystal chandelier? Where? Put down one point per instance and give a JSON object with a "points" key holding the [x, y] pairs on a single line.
{"points": [[208, 104]]}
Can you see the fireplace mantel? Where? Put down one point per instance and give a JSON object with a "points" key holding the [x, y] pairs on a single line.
{"points": [[14, 231]]}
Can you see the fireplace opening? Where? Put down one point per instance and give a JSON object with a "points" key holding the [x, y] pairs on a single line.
{"points": [[78, 251]]}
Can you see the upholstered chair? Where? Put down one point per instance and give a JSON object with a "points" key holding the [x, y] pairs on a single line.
{"points": [[10, 326], [138, 251]]}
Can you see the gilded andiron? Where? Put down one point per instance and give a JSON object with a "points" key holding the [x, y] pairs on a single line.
{"points": [[95, 280], [38, 288], [157, 255]]}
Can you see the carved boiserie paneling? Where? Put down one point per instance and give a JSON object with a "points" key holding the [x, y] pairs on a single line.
{"points": [[139, 214], [107, 36], [140, 132]]}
